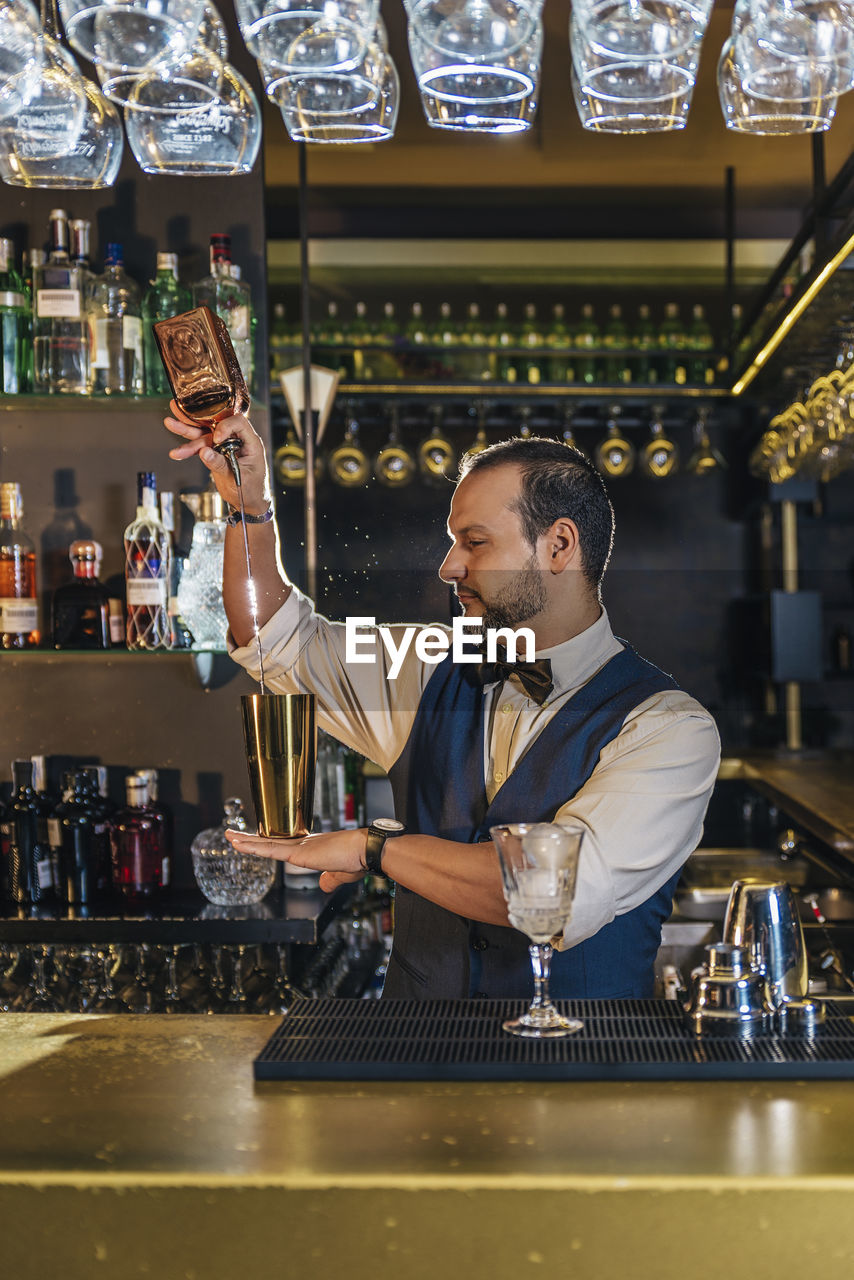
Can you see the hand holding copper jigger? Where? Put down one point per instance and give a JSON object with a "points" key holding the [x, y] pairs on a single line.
{"points": [[206, 379]]}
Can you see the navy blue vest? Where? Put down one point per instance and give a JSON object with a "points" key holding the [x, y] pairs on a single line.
{"points": [[439, 790]]}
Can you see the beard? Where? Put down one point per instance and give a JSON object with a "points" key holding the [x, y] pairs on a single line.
{"points": [[519, 600]]}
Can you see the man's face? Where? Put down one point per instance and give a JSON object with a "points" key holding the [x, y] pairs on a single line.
{"points": [[494, 570]]}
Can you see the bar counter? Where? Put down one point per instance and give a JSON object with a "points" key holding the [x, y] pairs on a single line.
{"points": [[141, 1146]]}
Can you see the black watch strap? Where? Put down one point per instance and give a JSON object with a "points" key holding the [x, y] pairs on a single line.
{"points": [[378, 833]]}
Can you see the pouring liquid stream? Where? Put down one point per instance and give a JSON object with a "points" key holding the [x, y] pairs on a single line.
{"points": [[229, 451]]}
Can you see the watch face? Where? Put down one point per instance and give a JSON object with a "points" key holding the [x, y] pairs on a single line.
{"points": [[390, 826]]}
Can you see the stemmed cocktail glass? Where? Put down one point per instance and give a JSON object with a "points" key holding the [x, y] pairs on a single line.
{"points": [[539, 863]]}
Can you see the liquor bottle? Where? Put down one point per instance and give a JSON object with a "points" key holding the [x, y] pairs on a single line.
{"points": [[231, 300], [503, 340], [445, 333], [284, 342], [14, 325], [95, 781], [644, 341], [6, 899], [558, 342], [671, 341], [179, 633], [19, 615], [80, 613], [416, 330], [200, 592], [151, 778], [115, 314], [615, 340], [387, 335], [136, 842], [531, 338], [588, 340], [339, 343], [73, 831], [476, 361], [164, 297], [61, 340], [45, 804], [30, 870], [701, 369], [148, 563], [80, 252]]}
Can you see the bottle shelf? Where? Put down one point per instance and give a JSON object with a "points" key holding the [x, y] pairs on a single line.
{"points": [[158, 404], [110, 654], [529, 391]]}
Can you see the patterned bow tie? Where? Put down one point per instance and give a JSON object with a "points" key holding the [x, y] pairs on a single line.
{"points": [[534, 677]]}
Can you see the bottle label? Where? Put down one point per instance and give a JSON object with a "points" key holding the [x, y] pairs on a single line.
{"points": [[13, 301], [4, 256], [132, 333], [19, 615], [100, 352], [54, 833], [117, 627], [146, 591], [237, 320], [61, 304], [44, 874]]}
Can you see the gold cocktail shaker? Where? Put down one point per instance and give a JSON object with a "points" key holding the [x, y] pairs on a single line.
{"points": [[280, 733]]}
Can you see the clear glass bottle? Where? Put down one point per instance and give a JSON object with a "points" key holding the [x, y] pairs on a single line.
{"points": [[226, 877], [200, 590], [115, 316], [476, 361], [164, 297], [19, 613], [416, 329], [14, 325], [588, 341], [148, 556], [61, 340], [231, 300], [80, 613], [140, 861], [31, 880]]}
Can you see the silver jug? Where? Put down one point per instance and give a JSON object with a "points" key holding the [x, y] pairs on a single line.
{"points": [[727, 997], [764, 920]]}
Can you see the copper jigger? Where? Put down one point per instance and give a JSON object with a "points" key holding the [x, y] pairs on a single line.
{"points": [[280, 733]]}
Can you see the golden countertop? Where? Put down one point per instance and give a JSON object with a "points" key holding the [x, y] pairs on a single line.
{"points": [[137, 1146]]}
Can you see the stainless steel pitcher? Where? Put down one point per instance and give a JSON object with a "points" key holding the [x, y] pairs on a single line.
{"points": [[764, 920]]}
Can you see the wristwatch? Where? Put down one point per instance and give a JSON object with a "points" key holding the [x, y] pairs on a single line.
{"points": [[380, 830]]}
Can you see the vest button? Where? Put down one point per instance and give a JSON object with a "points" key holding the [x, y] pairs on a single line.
{"points": [[480, 944]]}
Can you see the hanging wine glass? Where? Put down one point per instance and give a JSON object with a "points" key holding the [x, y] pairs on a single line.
{"points": [[615, 455], [188, 78], [289, 462], [481, 440], [21, 55], [525, 428], [348, 463], [436, 456], [131, 34], [219, 138], [659, 456], [567, 435], [49, 125], [705, 457], [394, 464], [92, 164]]}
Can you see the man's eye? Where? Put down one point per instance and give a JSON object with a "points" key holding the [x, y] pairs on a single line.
{"points": [[474, 543]]}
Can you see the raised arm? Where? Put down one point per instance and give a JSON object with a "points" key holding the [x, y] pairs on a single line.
{"points": [[271, 584]]}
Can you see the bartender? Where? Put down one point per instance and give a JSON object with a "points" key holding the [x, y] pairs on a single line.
{"points": [[589, 732]]}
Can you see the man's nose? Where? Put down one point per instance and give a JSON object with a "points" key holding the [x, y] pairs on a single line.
{"points": [[452, 568]]}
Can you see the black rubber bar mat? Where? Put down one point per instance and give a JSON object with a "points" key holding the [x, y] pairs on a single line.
{"points": [[335, 1039]]}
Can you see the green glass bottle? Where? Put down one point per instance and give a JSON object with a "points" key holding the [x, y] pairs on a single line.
{"points": [[701, 368], [558, 343], [615, 340], [644, 341], [588, 342], [672, 343], [503, 340], [14, 325], [531, 339], [164, 297]]}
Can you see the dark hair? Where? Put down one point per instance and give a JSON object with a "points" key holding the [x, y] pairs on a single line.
{"points": [[557, 481]]}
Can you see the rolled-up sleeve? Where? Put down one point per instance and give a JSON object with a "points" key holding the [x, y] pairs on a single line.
{"points": [[642, 809], [362, 704]]}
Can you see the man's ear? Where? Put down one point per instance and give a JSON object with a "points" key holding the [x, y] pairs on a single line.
{"points": [[563, 545]]}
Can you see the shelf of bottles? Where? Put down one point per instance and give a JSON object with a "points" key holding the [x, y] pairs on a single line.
{"points": [[459, 351]]}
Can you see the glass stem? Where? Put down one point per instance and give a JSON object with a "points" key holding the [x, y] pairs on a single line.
{"points": [[541, 963]]}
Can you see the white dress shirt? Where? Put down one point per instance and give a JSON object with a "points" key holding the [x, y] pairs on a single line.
{"points": [[642, 807]]}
